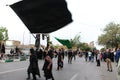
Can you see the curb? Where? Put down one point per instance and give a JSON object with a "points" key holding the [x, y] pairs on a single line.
{"points": [[15, 60], [9, 60]]}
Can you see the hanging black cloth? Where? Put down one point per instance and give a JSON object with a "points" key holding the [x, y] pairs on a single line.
{"points": [[43, 16]]}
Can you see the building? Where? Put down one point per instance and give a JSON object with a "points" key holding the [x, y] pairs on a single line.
{"points": [[11, 44]]}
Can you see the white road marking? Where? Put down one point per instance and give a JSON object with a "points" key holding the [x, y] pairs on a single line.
{"points": [[73, 77], [12, 70]]}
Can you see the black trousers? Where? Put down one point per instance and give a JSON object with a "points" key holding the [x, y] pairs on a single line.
{"points": [[33, 74], [98, 62]]}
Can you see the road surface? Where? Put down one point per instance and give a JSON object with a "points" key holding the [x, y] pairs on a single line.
{"points": [[78, 70]]}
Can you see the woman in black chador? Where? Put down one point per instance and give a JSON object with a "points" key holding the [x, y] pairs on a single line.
{"points": [[60, 60], [47, 67], [33, 66]]}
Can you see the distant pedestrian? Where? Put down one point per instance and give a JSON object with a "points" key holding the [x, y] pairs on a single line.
{"points": [[3, 51], [51, 52], [12, 51], [98, 58], [33, 66], [117, 55], [60, 60], [92, 56], [63, 53], [47, 67], [86, 55], [16, 50], [89, 55], [74, 54], [0, 46], [70, 56], [112, 56], [108, 60]]}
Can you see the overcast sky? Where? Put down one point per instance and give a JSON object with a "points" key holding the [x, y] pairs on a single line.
{"points": [[89, 19]]}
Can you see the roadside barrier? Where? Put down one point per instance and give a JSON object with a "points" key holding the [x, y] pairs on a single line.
{"points": [[14, 58]]}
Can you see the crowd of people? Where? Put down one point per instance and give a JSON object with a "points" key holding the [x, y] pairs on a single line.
{"points": [[47, 66], [47, 55], [97, 56], [107, 56], [13, 53]]}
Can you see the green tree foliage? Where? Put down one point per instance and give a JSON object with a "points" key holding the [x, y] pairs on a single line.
{"points": [[103, 49], [3, 34], [84, 47], [110, 36], [75, 42]]}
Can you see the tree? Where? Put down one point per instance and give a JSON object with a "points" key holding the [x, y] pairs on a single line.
{"points": [[75, 41], [111, 35], [3, 34], [84, 47]]}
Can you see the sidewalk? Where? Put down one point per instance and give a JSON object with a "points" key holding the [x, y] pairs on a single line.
{"points": [[13, 59]]}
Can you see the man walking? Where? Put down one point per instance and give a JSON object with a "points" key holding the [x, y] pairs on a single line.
{"points": [[108, 60]]}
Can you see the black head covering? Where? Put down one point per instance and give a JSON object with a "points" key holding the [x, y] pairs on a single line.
{"points": [[32, 51]]}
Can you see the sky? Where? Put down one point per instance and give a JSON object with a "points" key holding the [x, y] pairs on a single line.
{"points": [[89, 19]]}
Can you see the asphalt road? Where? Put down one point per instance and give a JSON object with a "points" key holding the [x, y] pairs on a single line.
{"points": [[78, 70]]}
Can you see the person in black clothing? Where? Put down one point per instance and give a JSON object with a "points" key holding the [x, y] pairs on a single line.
{"points": [[108, 60], [98, 57], [74, 54], [39, 53], [16, 50], [2, 50], [33, 66], [47, 67], [92, 56], [50, 52], [60, 60], [62, 51], [86, 55], [70, 55], [112, 56], [12, 51]]}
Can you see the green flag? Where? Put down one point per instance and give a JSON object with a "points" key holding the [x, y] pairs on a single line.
{"points": [[65, 42]]}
